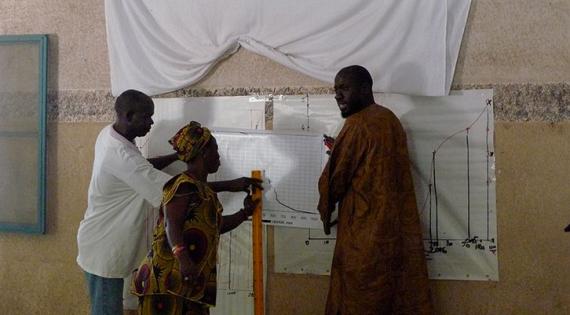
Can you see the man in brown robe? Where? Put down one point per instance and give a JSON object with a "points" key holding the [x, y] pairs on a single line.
{"points": [[379, 263]]}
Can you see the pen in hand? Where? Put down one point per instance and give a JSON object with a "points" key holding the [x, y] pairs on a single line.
{"points": [[328, 142]]}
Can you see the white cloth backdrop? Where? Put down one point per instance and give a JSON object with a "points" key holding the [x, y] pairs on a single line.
{"points": [[410, 47]]}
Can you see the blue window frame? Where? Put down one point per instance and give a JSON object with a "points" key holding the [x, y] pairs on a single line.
{"points": [[23, 94]]}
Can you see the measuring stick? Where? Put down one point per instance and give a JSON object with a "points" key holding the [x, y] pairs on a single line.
{"points": [[257, 241]]}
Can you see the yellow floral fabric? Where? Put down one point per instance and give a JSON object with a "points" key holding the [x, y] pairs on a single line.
{"points": [[379, 263], [190, 140], [158, 281]]}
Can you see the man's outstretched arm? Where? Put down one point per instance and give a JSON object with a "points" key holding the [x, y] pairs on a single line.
{"points": [[163, 161], [236, 185]]}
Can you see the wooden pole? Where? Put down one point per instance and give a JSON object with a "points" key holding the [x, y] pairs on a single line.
{"points": [[257, 242]]}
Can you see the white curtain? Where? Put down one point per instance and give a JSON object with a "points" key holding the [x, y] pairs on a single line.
{"points": [[409, 46]]}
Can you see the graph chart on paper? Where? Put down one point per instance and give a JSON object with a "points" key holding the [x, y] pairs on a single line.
{"points": [[457, 178], [452, 152], [292, 164]]}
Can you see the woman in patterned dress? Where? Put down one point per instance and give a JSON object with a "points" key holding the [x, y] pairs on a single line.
{"points": [[178, 276]]}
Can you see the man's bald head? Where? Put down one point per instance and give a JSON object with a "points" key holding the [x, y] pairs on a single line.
{"points": [[131, 101], [134, 114], [353, 90], [356, 74]]}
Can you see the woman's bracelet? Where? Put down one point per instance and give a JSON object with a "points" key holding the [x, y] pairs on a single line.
{"points": [[178, 249]]}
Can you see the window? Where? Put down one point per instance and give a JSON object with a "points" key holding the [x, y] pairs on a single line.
{"points": [[23, 74]]}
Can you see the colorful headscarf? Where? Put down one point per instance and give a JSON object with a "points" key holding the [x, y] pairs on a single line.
{"points": [[190, 141]]}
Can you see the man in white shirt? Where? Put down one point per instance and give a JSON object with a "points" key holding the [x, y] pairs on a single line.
{"points": [[124, 186]]}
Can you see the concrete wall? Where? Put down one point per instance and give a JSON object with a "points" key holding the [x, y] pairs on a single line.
{"points": [[520, 48]]}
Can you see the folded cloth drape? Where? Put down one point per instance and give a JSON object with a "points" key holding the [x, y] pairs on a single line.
{"points": [[410, 47]]}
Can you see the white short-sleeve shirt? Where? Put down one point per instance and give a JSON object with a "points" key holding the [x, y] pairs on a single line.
{"points": [[124, 187]]}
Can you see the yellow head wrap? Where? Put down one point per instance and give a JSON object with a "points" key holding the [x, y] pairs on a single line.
{"points": [[190, 141]]}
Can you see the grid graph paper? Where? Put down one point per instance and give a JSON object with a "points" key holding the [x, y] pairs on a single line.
{"points": [[292, 164]]}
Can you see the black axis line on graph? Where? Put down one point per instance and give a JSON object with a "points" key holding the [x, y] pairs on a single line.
{"points": [[289, 207], [229, 287], [230, 262], [308, 106], [233, 291], [309, 239], [325, 239], [433, 195]]}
